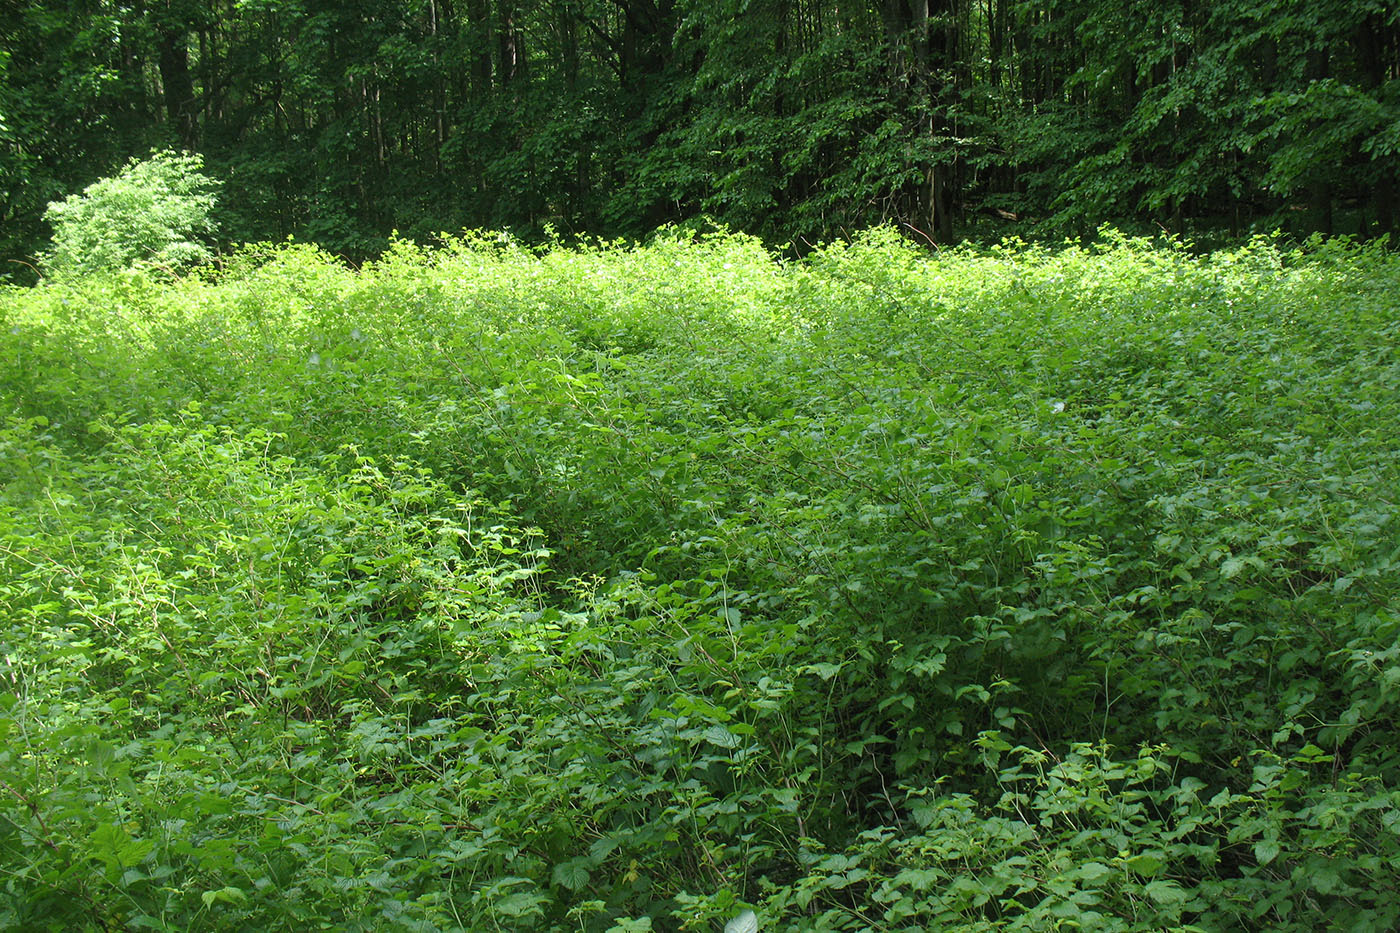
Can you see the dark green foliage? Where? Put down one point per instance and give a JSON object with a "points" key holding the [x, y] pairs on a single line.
{"points": [[634, 587], [795, 120]]}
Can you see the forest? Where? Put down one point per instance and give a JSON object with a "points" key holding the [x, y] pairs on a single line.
{"points": [[341, 121]]}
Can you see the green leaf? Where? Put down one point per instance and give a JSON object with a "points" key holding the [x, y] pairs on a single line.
{"points": [[520, 903], [1093, 871], [745, 922], [1146, 864], [719, 735], [572, 874], [824, 669], [631, 925], [227, 895], [1167, 892]]}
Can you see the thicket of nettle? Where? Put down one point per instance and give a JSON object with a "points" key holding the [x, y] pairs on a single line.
{"points": [[627, 588]]}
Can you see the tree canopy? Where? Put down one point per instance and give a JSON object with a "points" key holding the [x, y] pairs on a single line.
{"points": [[792, 119]]}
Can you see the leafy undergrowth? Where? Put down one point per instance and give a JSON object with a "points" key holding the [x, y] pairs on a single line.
{"points": [[633, 588]]}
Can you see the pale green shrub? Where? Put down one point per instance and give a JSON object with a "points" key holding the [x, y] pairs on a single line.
{"points": [[154, 214]]}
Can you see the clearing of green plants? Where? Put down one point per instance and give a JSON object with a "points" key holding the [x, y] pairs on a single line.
{"points": [[682, 587]]}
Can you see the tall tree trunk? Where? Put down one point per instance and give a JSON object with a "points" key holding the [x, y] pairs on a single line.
{"points": [[438, 11], [479, 47], [177, 86], [932, 43], [648, 29], [996, 26], [508, 50], [576, 195], [1373, 68]]}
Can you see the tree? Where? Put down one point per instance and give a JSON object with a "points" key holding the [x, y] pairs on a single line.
{"points": [[154, 214], [341, 120]]}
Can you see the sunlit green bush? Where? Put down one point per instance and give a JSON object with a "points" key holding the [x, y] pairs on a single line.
{"points": [[155, 214]]}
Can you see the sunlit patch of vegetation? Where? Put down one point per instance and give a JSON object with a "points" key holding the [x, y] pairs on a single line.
{"points": [[625, 588]]}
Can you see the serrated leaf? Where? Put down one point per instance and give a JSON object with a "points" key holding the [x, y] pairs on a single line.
{"points": [[519, 904], [1166, 892], [1093, 871], [745, 922], [572, 874], [1146, 863], [1266, 850], [718, 735]]}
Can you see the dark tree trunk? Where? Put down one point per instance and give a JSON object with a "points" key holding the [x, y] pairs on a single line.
{"points": [[479, 29], [178, 87], [1373, 67], [932, 44], [510, 52]]}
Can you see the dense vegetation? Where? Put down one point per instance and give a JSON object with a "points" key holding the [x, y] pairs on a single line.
{"points": [[342, 120], [631, 588]]}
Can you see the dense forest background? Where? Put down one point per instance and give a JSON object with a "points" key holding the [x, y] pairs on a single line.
{"points": [[340, 121]]}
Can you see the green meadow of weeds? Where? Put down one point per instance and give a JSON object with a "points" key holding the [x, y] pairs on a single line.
{"points": [[631, 588]]}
